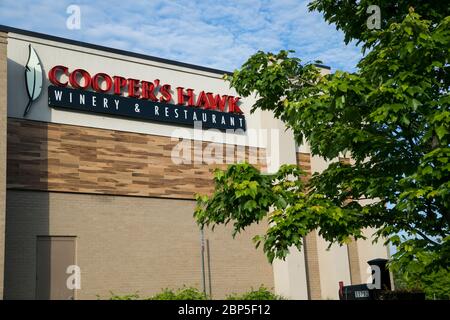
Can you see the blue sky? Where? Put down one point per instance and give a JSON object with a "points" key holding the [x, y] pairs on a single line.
{"points": [[218, 34]]}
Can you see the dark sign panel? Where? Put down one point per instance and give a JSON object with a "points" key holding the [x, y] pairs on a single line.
{"points": [[89, 101]]}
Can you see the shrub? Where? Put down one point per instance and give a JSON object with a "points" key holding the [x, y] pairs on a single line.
{"points": [[114, 296], [399, 295], [260, 294], [191, 293], [185, 293]]}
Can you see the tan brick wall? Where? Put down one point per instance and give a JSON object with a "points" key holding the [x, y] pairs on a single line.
{"points": [[3, 117], [352, 249], [310, 241], [127, 244], [312, 266], [56, 157], [353, 262]]}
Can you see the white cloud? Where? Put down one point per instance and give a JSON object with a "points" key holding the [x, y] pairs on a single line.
{"points": [[210, 33]]}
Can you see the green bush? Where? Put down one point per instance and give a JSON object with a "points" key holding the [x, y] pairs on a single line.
{"points": [[114, 296], [191, 293], [435, 284], [399, 295], [260, 294], [185, 293]]}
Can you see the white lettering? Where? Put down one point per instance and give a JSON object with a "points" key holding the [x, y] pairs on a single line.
{"points": [[74, 280], [374, 20], [190, 310], [58, 95], [74, 20]]}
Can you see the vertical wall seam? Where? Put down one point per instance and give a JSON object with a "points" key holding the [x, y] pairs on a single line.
{"points": [[353, 262]]}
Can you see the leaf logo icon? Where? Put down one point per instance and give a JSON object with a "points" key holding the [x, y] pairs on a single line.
{"points": [[34, 78]]}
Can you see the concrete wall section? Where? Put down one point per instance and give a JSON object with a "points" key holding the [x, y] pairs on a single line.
{"points": [[290, 274], [333, 261]]}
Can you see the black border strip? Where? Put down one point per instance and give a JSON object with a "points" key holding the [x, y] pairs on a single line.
{"points": [[119, 51]]}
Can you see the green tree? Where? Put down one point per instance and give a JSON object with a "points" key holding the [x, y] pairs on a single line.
{"points": [[391, 116], [435, 283], [351, 16]]}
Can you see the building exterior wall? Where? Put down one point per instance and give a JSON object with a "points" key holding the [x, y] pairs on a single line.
{"points": [[54, 53], [312, 266], [333, 266], [57, 157], [3, 117], [353, 261], [123, 189], [96, 177], [310, 247], [127, 244]]}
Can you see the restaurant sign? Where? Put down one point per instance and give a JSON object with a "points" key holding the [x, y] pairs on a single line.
{"points": [[117, 95]]}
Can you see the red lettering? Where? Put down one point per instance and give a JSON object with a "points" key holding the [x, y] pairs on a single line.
{"points": [[202, 100], [165, 91], [102, 82], [133, 88], [190, 93], [232, 105], [148, 90], [73, 79], [217, 102], [104, 77], [119, 84], [182, 95], [52, 75]]}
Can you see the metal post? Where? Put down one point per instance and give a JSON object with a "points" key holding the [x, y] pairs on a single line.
{"points": [[209, 268], [202, 244]]}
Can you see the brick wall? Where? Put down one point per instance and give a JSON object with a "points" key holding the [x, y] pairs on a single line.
{"points": [[130, 207], [310, 241], [128, 244], [56, 157]]}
